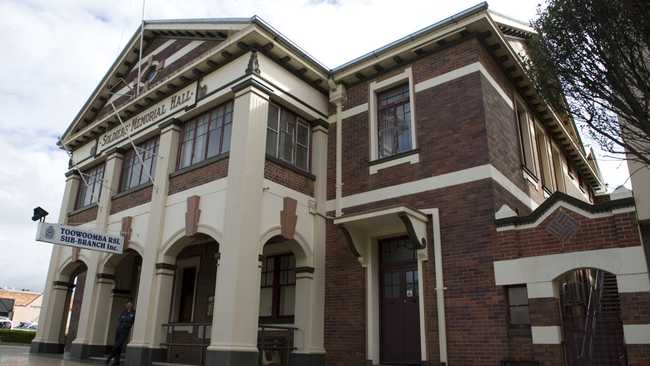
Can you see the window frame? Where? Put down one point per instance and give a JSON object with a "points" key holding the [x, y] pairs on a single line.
{"points": [[130, 161], [374, 89], [524, 330], [384, 109], [544, 160], [223, 124], [530, 167], [277, 287], [295, 144], [83, 188]]}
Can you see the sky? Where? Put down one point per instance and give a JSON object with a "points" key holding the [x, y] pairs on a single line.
{"points": [[55, 52]]}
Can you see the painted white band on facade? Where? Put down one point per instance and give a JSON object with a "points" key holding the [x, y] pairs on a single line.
{"points": [[633, 282], [412, 159], [551, 334], [469, 175], [438, 80], [540, 290], [545, 268], [636, 333]]}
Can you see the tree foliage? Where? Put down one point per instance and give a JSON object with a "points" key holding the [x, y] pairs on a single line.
{"points": [[590, 59]]}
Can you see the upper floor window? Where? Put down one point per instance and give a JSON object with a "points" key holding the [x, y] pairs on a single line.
{"points": [[206, 136], [287, 137], [136, 172], [527, 138], [518, 314], [545, 163], [90, 186], [278, 288], [394, 121]]}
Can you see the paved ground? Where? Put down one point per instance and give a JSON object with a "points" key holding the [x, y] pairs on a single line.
{"points": [[20, 356]]}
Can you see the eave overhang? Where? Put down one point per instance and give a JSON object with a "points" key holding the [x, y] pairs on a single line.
{"points": [[254, 36]]}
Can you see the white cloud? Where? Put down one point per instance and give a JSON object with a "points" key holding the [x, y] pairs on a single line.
{"points": [[55, 53]]}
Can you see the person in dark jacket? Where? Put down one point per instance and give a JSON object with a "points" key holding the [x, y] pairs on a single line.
{"points": [[124, 324]]}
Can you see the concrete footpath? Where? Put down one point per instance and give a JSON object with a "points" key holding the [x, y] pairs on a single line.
{"points": [[18, 355]]}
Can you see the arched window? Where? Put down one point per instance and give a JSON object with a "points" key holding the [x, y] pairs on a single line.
{"points": [[278, 289]]}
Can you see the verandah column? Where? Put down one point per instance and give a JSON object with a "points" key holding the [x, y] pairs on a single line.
{"points": [[146, 334], [310, 282], [95, 295], [101, 291], [236, 308], [48, 338]]}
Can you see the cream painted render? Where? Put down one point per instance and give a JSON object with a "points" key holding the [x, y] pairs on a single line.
{"points": [[156, 226]]}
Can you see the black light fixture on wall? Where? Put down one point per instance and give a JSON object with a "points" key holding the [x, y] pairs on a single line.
{"points": [[39, 214]]}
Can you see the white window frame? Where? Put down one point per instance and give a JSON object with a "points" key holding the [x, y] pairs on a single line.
{"points": [[534, 176], [299, 121], [375, 88]]}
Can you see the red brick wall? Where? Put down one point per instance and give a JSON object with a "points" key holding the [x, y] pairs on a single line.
{"points": [[592, 234], [201, 175], [82, 216], [131, 199], [475, 307], [289, 178]]}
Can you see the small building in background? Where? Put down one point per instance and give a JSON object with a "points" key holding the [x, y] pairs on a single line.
{"points": [[20, 305]]}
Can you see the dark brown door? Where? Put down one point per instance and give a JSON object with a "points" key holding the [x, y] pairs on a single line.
{"points": [[187, 295], [399, 305]]}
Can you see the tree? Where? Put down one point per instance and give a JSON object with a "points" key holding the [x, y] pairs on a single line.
{"points": [[590, 60]]}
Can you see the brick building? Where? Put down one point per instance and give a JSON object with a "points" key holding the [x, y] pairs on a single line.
{"points": [[420, 204]]}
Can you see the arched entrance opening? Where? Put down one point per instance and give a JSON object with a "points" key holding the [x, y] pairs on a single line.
{"points": [[73, 276], [187, 332], [591, 318], [126, 271], [279, 289]]}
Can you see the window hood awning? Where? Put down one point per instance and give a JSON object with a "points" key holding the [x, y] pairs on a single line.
{"points": [[359, 228]]}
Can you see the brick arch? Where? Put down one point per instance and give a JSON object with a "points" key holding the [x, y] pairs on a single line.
{"points": [[298, 246], [179, 241], [71, 268], [111, 261]]}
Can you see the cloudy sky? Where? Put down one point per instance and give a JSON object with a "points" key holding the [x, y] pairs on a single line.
{"points": [[54, 52]]}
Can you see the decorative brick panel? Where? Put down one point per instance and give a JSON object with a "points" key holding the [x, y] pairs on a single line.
{"points": [[82, 216], [615, 231], [200, 175], [289, 178], [135, 198]]}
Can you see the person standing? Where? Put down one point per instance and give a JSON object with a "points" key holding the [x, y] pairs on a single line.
{"points": [[124, 324]]}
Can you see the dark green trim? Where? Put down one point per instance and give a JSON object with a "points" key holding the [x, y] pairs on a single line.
{"points": [[251, 82], [559, 196], [106, 276], [168, 266], [64, 284], [72, 172], [42, 347], [320, 122], [306, 359], [231, 358], [140, 356], [304, 270]]}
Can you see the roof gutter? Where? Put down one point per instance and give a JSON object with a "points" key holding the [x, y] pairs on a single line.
{"points": [[411, 37]]}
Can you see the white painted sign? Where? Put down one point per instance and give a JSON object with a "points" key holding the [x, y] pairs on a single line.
{"points": [[80, 238], [169, 105]]}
